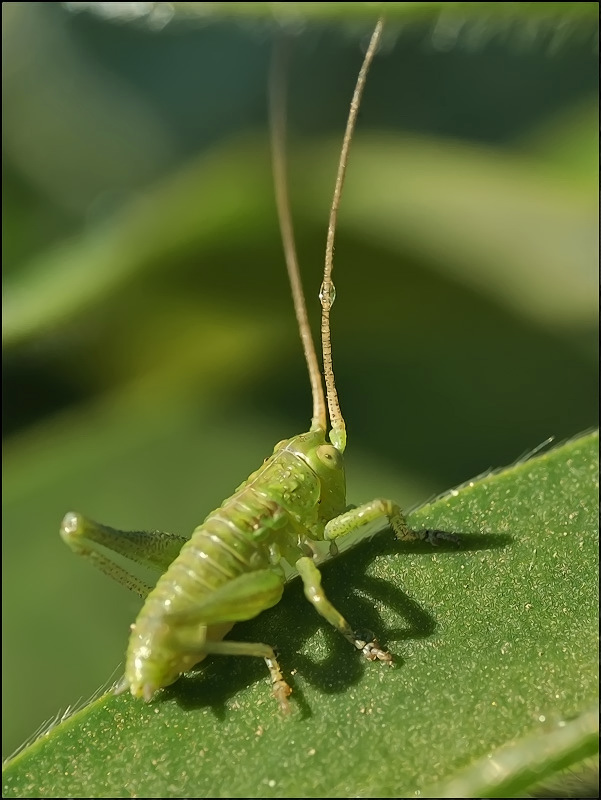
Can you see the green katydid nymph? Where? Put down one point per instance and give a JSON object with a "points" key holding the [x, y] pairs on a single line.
{"points": [[232, 567]]}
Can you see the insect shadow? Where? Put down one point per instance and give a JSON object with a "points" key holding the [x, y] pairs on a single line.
{"points": [[294, 622]]}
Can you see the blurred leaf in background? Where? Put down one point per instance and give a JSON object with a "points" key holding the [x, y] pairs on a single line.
{"points": [[150, 354]]}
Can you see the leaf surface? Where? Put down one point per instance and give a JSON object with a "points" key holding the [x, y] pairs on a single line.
{"points": [[494, 641]]}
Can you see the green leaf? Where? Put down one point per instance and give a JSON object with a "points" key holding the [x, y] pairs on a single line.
{"points": [[495, 642], [86, 269], [400, 11], [471, 196], [520, 764]]}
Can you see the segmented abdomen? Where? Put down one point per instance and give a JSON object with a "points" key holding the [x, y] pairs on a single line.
{"points": [[226, 545], [235, 539]]}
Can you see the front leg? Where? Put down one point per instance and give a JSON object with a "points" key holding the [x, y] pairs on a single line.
{"points": [[355, 518]]}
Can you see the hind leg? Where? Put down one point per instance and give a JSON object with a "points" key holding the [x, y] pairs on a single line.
{"points": [[243, 598], [152, 550]]}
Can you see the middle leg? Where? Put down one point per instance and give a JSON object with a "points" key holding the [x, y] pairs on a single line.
{"points": [[315, 594]]}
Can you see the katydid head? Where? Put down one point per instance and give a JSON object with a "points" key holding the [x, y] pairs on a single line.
{"points": [[327, 293], [327, 463]]}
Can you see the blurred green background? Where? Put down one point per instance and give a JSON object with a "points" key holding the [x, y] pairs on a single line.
{"points": [[151, 359]]}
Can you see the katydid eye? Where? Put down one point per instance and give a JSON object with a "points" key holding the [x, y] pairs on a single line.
{"points": [[329, 456]]}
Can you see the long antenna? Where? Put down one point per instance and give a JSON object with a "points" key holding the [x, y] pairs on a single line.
{"points": [[327, 294], [277, 115]]}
